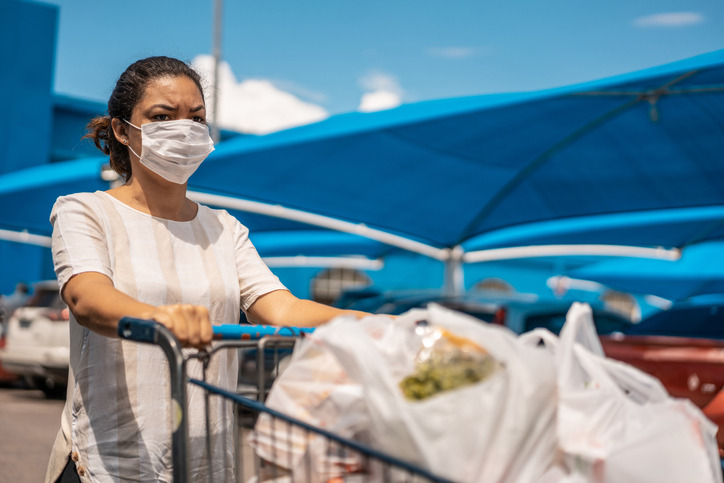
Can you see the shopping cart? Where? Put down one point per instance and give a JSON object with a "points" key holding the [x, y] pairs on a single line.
{"points": [[328, 457]]}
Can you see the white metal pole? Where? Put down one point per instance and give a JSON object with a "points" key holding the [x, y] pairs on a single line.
{"points": [[454, 275], [218, 9], [25, 237], [278, 211], [570, 250]]}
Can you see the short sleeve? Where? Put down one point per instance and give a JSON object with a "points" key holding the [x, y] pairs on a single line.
{"points": [[79, 243], [255, 278]]}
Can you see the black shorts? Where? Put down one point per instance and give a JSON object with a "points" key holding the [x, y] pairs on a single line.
{"points": [[70, 474]]}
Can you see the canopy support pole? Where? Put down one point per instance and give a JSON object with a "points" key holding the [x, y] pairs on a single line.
{"points": [[285, 213], [25, 237], [218, 17], [537, 251], [454, 283], [325, 262]]}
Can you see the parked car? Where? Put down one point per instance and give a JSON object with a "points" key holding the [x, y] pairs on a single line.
{"points": [[520, 312], [8, 304], [683, 347], [701, 317], [5, 376], [37, 340]]}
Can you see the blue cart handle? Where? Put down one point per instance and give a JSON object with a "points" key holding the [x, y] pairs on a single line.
{"points": [[141, 330], [256, 332]]}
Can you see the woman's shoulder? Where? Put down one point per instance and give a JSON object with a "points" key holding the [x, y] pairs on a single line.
{"points": [[217, 213], [82, 199], [222, 216], [88, 206]]}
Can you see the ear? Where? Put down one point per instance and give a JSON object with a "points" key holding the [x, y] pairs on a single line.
{"points": [[119, 130]]}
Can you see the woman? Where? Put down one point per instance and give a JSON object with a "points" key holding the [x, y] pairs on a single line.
{"points": [[145, 250]]}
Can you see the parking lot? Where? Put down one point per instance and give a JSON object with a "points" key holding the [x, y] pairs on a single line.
{"points": [[28, 425]]}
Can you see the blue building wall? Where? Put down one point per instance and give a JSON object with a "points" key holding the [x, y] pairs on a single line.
{"points": [[69, 120], [27, 31]]}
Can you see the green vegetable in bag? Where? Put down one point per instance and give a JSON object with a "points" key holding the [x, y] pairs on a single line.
{"points": [[446, 362]]}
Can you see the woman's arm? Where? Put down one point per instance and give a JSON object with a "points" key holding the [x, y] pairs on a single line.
{"points": [[98, 305], [282, 308]]}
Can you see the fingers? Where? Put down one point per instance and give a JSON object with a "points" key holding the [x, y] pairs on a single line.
{"points": [[207, 331], [189, 323], [160, 316]]}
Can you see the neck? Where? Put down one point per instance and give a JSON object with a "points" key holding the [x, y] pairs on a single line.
{"points": [[159, 198]]}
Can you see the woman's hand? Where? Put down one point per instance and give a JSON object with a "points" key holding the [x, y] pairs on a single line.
{"points": [[189, 323]]}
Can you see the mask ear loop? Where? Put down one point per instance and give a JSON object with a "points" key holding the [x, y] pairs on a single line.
{"points": [[125, 141], [134, 152], [131, 124]]}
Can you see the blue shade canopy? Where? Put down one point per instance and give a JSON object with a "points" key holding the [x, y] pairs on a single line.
{"points": [[643, 146], [27, 197], [670, 227], [630, 160], [700, 271]]}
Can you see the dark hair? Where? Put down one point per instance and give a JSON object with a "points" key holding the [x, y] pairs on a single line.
{"points": [[128, 91]]}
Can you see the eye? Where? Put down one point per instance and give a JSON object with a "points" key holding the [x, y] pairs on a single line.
{"points": [[161, 117], [199, 119]]}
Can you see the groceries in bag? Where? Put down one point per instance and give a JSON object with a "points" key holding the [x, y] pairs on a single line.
{"points": [[499, 428], [473, 402], [617, 423], [445, 362]]}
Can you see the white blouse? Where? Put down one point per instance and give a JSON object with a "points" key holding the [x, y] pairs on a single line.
{"points": [[116, 423]]}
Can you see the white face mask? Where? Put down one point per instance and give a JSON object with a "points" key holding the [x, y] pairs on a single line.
{"points": [[174, 149]]}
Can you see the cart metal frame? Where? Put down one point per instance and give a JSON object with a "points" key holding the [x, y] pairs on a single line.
{"points": [[151, 332]]}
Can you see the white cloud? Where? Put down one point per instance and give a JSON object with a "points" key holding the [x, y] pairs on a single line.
{"points": [[379, 101], [670, 19], [384, 92], [254, 106], [455, 52]]}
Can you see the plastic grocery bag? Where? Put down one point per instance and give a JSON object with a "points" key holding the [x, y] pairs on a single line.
{"points": [[617, 423], [347, 377], [315, 389]]}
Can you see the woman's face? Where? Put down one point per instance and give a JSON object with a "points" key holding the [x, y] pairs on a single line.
{"points": [[166, 99]]}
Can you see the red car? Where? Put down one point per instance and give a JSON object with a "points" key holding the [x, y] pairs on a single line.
{"points": [[683, 347], [5, 376]]}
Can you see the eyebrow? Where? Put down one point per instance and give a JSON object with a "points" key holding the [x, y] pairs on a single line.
{"points": [[169, 108]]}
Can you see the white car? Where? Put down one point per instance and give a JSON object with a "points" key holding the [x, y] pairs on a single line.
{"points": [[37, 340]]}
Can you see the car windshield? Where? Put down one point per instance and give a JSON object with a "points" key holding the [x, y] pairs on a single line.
{"points": [[705, 321], [605, 323], [480, 311]]}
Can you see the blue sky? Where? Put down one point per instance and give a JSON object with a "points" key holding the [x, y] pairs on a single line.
{"points": [[329, 53]]}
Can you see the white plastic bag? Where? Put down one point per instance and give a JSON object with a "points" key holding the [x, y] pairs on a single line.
{"points": [[499, 430], [315, 389], [617, 423]]}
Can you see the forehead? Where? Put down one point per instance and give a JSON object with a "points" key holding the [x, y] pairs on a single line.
{"points": [[171, 91]]}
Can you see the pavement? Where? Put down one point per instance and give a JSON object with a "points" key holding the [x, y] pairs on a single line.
{"points": [[28, 425]]}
